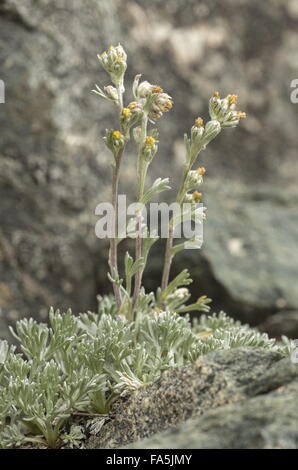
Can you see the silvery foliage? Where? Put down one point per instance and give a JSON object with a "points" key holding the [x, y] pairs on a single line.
{"points": [[82, 364]]}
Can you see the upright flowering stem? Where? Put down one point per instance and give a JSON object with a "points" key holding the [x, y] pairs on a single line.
{"points": [[113, 254], [169, 244], [168, 258], [181, 193], [142, 172], [223, 114], [150, 103]]}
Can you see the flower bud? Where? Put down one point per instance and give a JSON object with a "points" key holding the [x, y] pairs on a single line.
{"points": [[201, 171], [193, 180], [114, 140], [145, 89], [135, 107], [212, 129], [182, 293], [111, 93], [188, 198], [126, 113], [130, 115], [199, 122], [150, 148], [197, 131], [114, 62], [179, 294], [150, 141], [196, 196], [232, 99]]}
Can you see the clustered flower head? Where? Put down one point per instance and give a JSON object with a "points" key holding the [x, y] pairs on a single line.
{"points": [[111, 93], [154, 100], [224, 110], [162, 103], [114, 62], [149, 99], [223, 114]]}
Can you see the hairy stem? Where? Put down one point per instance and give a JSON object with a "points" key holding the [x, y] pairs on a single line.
{"points": [[181, 193], [142, 172], [168, 258], [113, 253]]}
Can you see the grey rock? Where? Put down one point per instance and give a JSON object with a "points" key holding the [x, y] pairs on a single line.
{"points": [[216, 379], [282, 323], [250, 246], [262, 422], [265, 419]]}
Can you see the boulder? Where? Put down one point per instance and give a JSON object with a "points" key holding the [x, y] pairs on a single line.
{"points": [[263, 422], [215, 380]]}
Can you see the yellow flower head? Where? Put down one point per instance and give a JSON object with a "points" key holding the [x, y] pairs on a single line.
{"points": [[168, 104], [199, 122], [241, 115], [116, 135], [150, 141], [201, 171], [156, 89], [155, 114], [197, 196], [232, 99], [126, 113], [134, 106], [163, 103]]}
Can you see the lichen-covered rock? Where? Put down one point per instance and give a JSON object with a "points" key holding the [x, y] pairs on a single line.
{"points": [[216, 379], [267, 418], [264, 422]]}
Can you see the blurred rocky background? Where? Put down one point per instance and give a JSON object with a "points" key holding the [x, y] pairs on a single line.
{"points": [[54, 168]]}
